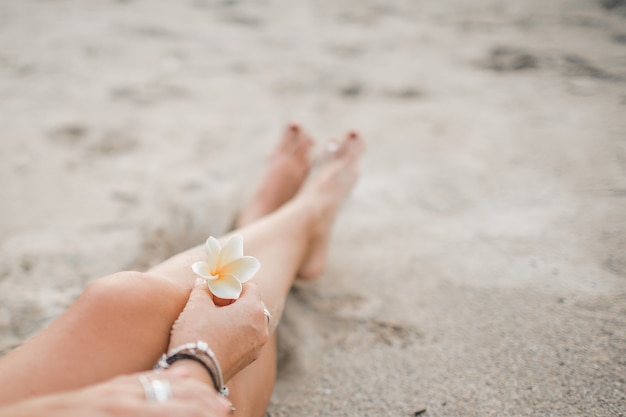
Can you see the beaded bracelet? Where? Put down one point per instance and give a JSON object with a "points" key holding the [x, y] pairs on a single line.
{"points": [[198, 352]]}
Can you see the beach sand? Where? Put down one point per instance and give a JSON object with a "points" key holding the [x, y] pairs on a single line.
{"points": [[479, 268]]}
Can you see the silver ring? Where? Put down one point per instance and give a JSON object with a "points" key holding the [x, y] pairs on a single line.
{"points": [[147, 388], [162, 390], [268, 316], [157, 390]]}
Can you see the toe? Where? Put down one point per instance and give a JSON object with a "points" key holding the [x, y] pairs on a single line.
{"points": [[348, 148], [334, 147], [303, 146], [354, 144], [291, 135], [345, 146]]}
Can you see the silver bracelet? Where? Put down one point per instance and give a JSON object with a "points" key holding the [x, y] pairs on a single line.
{"points": [[201, 353]]}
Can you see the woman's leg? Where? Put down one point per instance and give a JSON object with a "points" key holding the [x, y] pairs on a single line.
{"points": [[120, 324], [284, 174], [251, 389]]}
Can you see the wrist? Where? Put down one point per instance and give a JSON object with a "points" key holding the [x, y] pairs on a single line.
{"points": [[200, 353]]}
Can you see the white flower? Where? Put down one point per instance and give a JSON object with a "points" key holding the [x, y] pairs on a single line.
{"points": [[226, 268]]}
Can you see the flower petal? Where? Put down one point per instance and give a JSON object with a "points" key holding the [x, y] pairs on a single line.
{"points": [[227, 287], [243, 268], [213, 248], [232, 250], [202, 268]]}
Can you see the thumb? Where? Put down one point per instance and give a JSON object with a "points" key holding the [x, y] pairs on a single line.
{"points": [[200, 291]]}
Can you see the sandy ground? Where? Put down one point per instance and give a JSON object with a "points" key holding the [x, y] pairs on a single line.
{"points": [[479, 268]]}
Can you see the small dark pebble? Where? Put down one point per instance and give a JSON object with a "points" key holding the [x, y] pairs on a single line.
{"points": [[351, 90], [510, 59], [612, 4], [620, 38], [406, 93], [578, 66], [419, 412], [69, 134]]}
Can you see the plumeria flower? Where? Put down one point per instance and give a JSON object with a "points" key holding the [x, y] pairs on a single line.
{"points": [[226, 268]]}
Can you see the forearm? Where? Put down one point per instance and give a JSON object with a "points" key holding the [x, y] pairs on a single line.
{"points": [[19, 410], [48, 406], [125, 396]]}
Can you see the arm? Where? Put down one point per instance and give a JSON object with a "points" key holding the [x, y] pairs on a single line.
{"points": [[238, 331], [124, 397]]}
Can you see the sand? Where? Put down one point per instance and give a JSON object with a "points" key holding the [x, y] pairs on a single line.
{"points": [[479, 268]]}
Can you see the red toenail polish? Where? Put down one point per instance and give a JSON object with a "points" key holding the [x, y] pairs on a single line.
{"points": [[353, 135], [294, 127]]}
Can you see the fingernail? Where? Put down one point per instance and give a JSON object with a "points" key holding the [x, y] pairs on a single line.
{"points": [[198, 282]]}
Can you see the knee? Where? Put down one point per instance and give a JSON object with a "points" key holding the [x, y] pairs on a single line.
{"points": [[131, 291]]}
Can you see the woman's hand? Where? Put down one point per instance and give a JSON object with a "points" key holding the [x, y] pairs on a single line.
{"points": [[125, 397], [235, 332]]}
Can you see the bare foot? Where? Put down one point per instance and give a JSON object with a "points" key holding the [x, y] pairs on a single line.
{"points": [[325, 191], [286, 170]]}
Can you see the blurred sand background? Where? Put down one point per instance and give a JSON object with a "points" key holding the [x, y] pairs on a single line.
{"points": [[479, 268]]}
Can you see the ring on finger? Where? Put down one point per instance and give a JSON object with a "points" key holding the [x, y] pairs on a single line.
{"points": [[156, 390], [162, 390], [147, 388], [268, 316]]}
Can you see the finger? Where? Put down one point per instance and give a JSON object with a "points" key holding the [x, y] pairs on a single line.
{"points": [[250, 291], [200, 292], [251, 296], [184, 409], [181, 387], [192, 391]]}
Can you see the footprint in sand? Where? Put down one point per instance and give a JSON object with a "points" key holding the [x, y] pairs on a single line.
{"points": [[114, 142], [335, 307], [149, 94], [614, 4], [392, 334], [111, 143], [506, 59], [70, 134], [577, 66]]}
